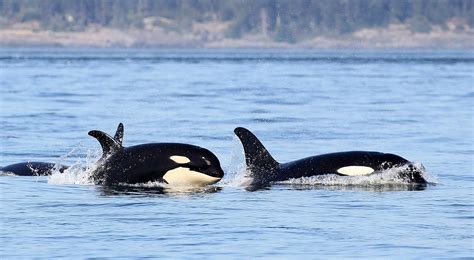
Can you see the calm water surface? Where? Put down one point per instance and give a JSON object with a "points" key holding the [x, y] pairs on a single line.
{"points": [[418, 104]]}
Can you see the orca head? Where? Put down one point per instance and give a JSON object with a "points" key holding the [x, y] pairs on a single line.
{"points": [[194, 166]]}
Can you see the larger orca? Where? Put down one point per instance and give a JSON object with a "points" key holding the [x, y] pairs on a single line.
{"points": [[264, 169], [172, 163]]}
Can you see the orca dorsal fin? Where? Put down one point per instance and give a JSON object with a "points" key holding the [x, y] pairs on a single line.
{"points": [[257, 157], [109, 145], [119, 134]]}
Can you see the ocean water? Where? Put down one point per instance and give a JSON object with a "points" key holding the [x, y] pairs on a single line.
{"points": [[418, 104]]}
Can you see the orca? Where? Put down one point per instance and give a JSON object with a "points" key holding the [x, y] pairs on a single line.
{"points": [[264, 169], [45, 168], [172, 163], [32, 168]]}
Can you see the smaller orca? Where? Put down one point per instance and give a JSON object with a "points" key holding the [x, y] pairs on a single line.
{"points": [[264, 169], [45, 168], [172, 163], [32, 168]]}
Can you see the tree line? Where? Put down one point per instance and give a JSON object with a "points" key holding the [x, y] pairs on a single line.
{"points": [[285, 20]]}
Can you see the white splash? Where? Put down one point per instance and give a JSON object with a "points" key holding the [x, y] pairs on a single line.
{"points": [[79, 172], [236, 174]]}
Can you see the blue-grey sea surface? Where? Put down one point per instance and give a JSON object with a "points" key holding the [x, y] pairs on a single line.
{"points": [[415, 103]]}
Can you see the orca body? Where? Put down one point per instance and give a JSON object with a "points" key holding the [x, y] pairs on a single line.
{"points": [[172, 163], [32, 168], [264, 169]]}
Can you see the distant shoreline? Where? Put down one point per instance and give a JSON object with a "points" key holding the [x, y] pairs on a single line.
{"points": [[396, 36]]}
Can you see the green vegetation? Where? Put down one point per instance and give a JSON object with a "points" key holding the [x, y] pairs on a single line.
{"points": [[283, 20]]}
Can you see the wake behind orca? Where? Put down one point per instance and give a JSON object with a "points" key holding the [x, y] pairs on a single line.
{"points": [[265, 170]]}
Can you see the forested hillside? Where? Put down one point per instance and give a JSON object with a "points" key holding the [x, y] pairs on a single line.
{"points": [[211, 23], [283, 20]]}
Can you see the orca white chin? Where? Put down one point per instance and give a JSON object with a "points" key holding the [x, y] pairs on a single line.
{"points": [[183, 176]]}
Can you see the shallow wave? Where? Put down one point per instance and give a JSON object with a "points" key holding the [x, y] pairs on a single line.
{"points": [[2, 173], [242, 59]]}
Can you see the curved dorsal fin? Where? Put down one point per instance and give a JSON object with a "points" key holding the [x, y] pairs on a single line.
{"points": [[256, 155], [109, 144], [260, 163], [119, 134]]}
